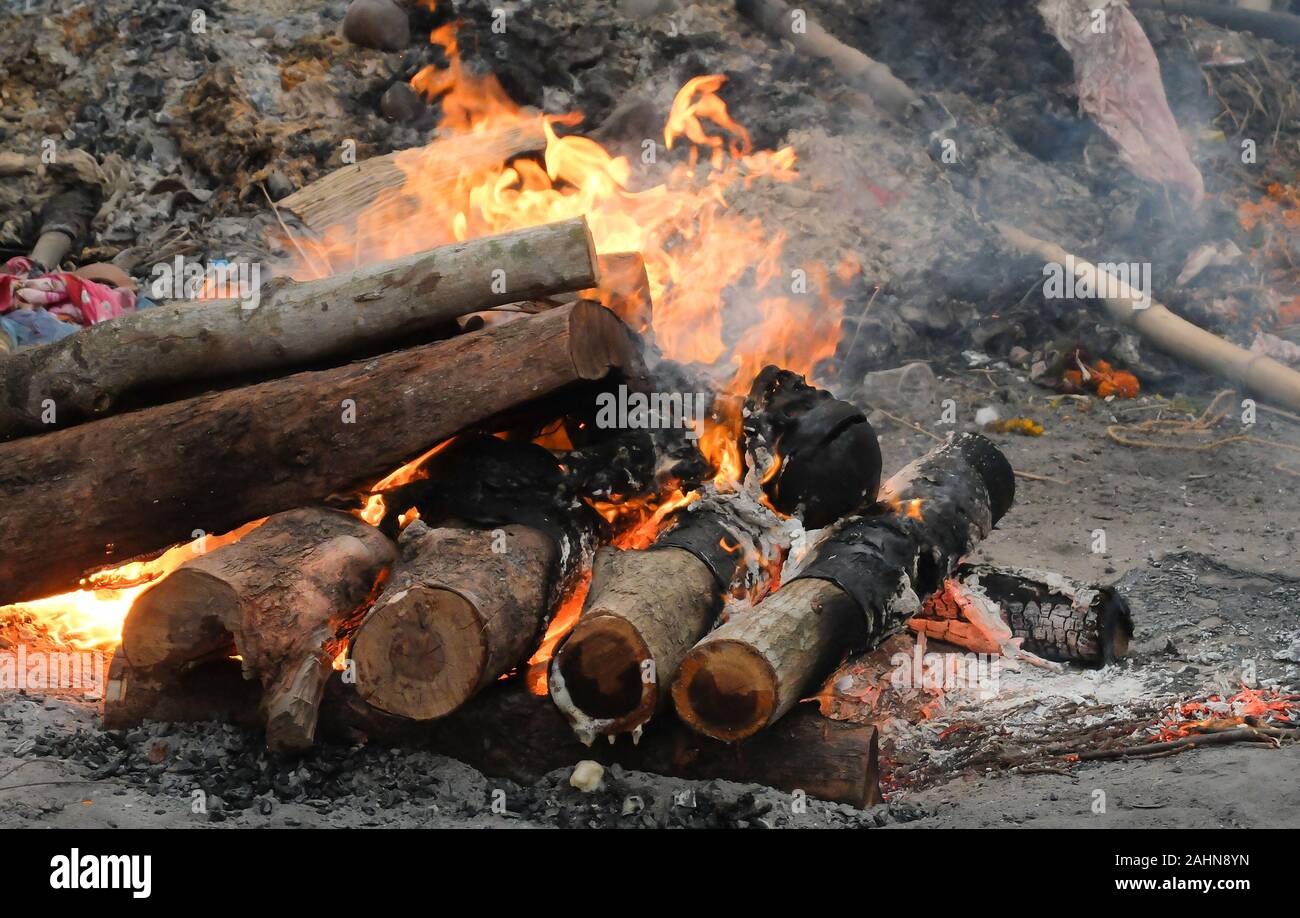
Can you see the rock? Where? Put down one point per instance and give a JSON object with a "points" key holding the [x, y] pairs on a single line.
{"points": [[587, 776], [1018, 356], [986, 415], [378, 24], [401, 103]]}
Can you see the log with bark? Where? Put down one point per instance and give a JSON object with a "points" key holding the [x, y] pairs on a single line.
{"points": [[862, 584], [818, 458], [279, 598], [137, 357], [99, 494], [500, 536]]}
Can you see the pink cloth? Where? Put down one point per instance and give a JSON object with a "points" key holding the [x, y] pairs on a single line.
{"points": [[1118, 81], [71, 298]]}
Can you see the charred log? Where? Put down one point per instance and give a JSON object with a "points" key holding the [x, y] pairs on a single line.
{"points": [[1057, 618], [862, 585]]}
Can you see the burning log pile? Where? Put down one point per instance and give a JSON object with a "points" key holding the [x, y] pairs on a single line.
{"points": [[417, 617], [488, 470]]}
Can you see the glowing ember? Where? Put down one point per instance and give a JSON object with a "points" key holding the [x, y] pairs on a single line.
{"points": [[1254, 707]]}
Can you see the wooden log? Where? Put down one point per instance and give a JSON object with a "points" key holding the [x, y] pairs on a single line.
{"points": [[89, 374], [861, 586], [644, 610], [864, 73], [336, 199], [278, 597], [464, 607], [819, 459], [94, 495]]}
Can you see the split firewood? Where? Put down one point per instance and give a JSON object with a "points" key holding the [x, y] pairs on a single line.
{"points": [[278, 597], [1171, 333], [140, 355], [862, 585], [499, 539], [816, 457], [335, 199], [102, 493]]}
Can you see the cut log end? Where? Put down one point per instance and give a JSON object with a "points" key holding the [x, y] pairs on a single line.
{"points": [[726, 690], [602, 669], [180, 619], [421, 655]]}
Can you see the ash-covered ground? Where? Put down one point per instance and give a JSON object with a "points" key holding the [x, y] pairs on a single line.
{"points": [[190, 127]]}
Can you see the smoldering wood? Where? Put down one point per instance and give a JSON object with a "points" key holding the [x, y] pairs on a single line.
{"points": [[1058, 618], [142, 354], [507, 732], [862, 585], [278, 598], [91, 496], [644, 610]]}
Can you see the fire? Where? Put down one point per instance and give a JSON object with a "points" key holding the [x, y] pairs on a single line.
{"points": [[694, 246], [1249, 706], [566, 616], [91, 618], [676, 213]]}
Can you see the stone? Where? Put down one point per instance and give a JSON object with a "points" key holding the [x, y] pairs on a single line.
{"points": [[911, 389], [401, 103], [378, 24]]}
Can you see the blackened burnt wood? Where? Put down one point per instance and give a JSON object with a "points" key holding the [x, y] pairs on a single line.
{"points": [[827, 454], [94, 495], [862, 585], [508, 733], [646, 609], [292, 325], [278, 597], [1058, 619]]}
